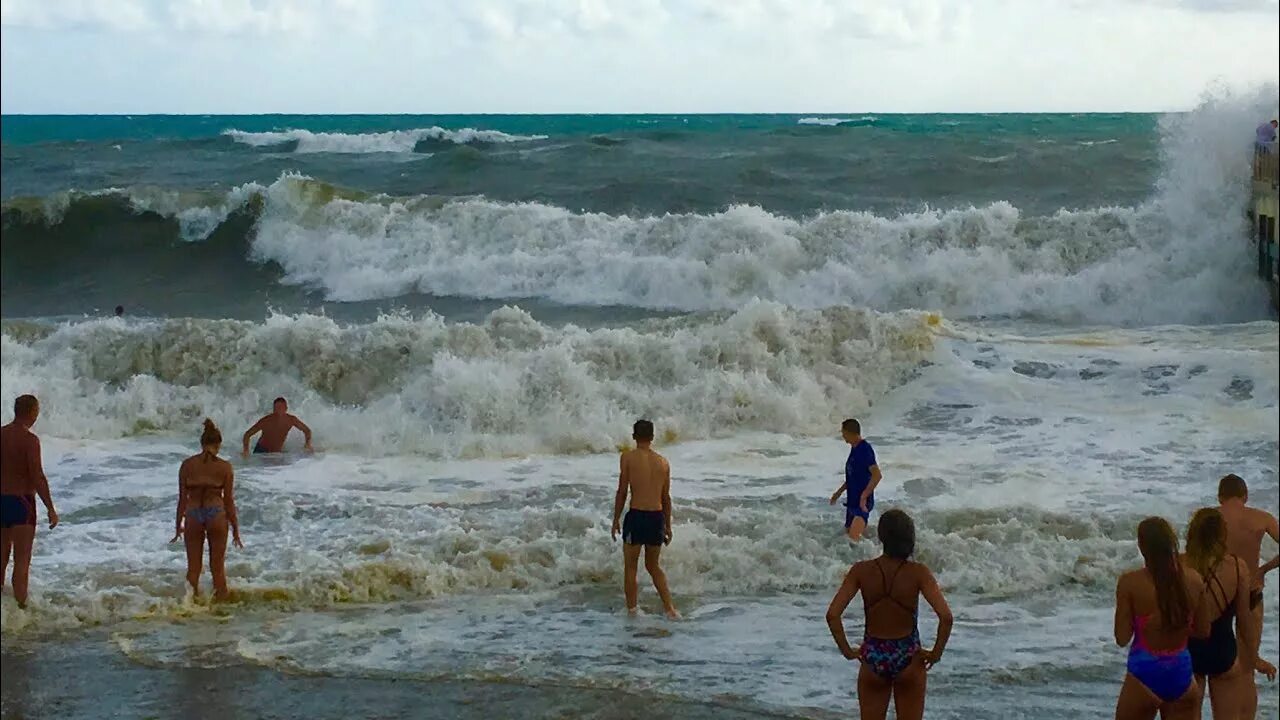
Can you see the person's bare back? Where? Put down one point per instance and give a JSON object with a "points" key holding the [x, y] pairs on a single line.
{"points": [[1245, 528], [19, 460], [648, 474]]}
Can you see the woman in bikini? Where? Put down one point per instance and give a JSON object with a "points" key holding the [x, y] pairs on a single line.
{"points": [[893, 663], [1219, 659], [1156, 609], [206, 508]]}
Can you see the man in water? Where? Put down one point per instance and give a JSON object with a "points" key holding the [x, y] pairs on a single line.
{"points": [[861, 476], [647, 476], [275, 428], [21, 480], [119, 311], [1245, 528]]}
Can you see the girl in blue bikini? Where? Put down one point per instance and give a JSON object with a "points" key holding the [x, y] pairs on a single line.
{"points": [[206, 509], [1158, 608], [893, 663]]}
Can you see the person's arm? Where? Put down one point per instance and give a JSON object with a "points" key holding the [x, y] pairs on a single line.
{"points": [[1273, 529], [835, 613], [306, 432], [248, 435], [1206, 610], [1246, 624], [35, 471], [666, 502], [1124, 614], [620, 499], [839, 491], [229, 505], [182, 501], [871, 487], [933, 595]]}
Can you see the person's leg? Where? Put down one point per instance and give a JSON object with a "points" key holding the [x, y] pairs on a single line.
{"points": [[873, 694], [217, 532], [7, 543], [23, 538], [630, 565], [193, 536], [652, 554], [1229, 692], [1249, 685], [1186, 707], [1136, 702], [857, 528], [909, 691]]}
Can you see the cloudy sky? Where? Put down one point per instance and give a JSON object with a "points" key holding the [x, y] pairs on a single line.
{"points": [[247, 56]]}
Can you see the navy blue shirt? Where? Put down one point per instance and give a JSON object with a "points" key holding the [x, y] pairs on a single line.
{"points": [[857, 469]]}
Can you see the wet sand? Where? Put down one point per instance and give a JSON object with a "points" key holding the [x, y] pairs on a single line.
{"points": [[88, 679]]}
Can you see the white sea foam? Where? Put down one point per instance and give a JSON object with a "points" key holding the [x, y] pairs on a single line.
{"points": [[394, 141], [833, 121], [508, 385]]}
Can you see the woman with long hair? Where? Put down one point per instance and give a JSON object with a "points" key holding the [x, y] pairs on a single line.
{"points": [[1226, 665], [894, 664], [1156, 610], [206, 509]]}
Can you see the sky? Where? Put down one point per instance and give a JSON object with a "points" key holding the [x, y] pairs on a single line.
{"points": [[551, 56]]}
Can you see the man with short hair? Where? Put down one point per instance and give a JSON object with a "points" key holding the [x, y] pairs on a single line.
{"points": [[647, 476], [275, 429], [1245, 528], [21, 480], [861, 476]]}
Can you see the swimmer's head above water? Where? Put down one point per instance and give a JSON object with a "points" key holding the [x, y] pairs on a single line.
{"points": [[642, 431], [1232, 487], [897, 533], [211, 438], [851, 431]]}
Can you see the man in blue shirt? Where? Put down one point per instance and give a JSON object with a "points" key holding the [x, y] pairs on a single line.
{"points": [[861, 475]]}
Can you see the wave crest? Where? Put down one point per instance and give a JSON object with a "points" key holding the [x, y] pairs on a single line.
{"points": [[394, 141]]}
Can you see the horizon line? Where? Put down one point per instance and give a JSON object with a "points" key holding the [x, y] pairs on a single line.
{"points": [[599, 114]]}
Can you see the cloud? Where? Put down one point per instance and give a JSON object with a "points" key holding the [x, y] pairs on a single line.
{"points": [[111, 15], [627, 55]]}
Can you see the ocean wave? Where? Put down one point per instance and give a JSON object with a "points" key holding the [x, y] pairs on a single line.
{"points": [[992, 160], [401, 385], [394, 141], [727, 547], [836, 121], [1095, 265]]}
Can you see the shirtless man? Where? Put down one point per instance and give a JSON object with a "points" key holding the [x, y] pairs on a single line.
{"points": [[21, 480], [647, 476], [275, 428], [1245, 528]]}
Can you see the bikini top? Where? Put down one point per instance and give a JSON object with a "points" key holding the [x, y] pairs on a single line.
{"points": [[203, 481]]}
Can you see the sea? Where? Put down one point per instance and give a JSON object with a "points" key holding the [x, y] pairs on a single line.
{"points": [[1049, 325]]}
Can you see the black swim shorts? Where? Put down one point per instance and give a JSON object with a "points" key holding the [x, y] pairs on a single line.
{"points": [[644, 527]]}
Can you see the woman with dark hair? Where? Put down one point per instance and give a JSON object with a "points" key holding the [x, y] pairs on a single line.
{"points": [[893, 663], [206, 509], [1219, 659], [1156, 610]]}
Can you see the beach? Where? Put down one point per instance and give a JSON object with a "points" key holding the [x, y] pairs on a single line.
{"points": [[1056, 337]]}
